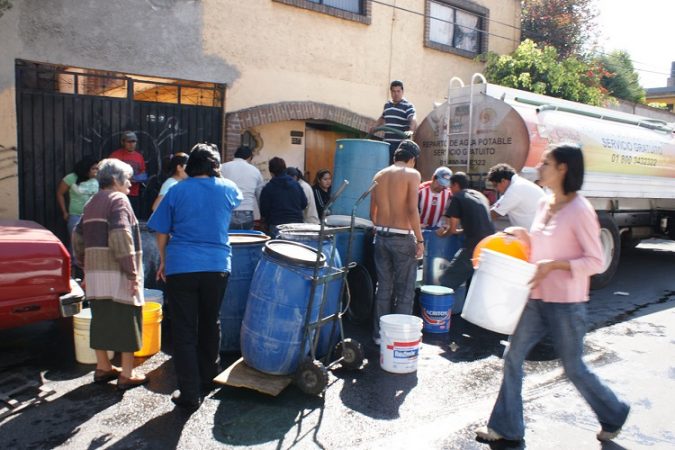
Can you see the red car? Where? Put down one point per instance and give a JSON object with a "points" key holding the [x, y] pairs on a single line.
{"points": [[35, 282]]}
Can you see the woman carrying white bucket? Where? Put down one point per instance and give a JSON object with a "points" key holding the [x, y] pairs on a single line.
{"points": [[565, 246]]}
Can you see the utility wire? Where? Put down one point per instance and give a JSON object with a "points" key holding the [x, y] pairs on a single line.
{"points": [[515, 27]]}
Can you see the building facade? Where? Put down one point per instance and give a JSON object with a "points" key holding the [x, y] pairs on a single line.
{"points": [[287, 76]]}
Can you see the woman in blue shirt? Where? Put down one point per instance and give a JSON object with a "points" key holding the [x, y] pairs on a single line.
{"points": [[191, 224]]}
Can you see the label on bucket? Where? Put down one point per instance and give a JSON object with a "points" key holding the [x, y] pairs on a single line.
{"points": [[405, 350], [436, 319]]}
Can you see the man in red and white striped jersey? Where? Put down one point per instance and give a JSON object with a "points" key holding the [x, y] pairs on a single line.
{"points": [[434, 197]]}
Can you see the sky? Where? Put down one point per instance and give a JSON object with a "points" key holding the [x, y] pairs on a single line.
{"points": [[644, 29]]}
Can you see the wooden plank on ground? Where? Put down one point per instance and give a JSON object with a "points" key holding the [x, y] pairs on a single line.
{"points": [[241, 374]]}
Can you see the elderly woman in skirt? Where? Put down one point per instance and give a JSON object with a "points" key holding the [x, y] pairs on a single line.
{"points": [[108, 242]]}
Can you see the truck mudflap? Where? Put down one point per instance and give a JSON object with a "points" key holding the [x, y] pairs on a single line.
{"points": [[71, 303]]}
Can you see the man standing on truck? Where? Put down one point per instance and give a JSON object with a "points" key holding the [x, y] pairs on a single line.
{"points": [[399, 114], [472, 209], [519, 196], [398, 236]]}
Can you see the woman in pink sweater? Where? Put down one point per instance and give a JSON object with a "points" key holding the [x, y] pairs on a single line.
{"points": [[565, 244]]}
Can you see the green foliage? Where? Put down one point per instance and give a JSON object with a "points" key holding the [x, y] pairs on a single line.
{"points": [[619, 77], [539, 70], [567, 25]]}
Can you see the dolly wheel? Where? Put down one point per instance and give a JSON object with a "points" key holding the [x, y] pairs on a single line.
{"points": [[351, 353], [312, 377]]}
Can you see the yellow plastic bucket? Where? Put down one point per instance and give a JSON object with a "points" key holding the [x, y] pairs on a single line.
{"points": [[152, 330], [84, 354]]}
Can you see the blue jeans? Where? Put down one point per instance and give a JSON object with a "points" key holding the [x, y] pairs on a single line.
{"points": [[396, 268], [566, 322], [73, 219], [241, 220]]}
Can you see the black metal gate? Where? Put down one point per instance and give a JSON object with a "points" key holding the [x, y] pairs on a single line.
{"points": [[64, 116]]}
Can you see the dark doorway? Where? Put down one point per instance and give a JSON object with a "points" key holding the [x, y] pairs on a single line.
{"points": [[65, 114]]}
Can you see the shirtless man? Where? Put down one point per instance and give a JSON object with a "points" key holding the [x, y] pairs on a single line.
{"points": [[398, 240]]}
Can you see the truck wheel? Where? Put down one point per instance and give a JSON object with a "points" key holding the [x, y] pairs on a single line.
{"points": [[611, 250]]}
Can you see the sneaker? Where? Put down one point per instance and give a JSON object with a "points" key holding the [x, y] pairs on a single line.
{"points": [[488, 434], [604, 435]]}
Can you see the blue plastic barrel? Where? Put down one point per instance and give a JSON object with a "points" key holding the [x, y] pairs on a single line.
{"points": [[361, 238], [308, 234], [276, 311], [357, 160], [436, 307], [246, 252], [438, 252]]}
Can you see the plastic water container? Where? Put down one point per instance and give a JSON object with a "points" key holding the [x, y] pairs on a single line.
{"points": [[84, 354], [308, 234], [357, 161], [246, 252], [499, 292], [361, 238], [438, 252], [436, 307], [277, 308], [152, 330], [154, 296], [401, 337]]}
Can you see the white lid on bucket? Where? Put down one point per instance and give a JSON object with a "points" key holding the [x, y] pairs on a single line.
{"points": [[403, 322], [436, 290]]}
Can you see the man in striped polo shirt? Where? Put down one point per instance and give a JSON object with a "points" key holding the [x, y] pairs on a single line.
{"points": [[399, 114], [434, 197]]}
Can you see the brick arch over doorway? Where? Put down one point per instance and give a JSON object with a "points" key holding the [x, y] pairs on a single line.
{"points": [[238, 121]]}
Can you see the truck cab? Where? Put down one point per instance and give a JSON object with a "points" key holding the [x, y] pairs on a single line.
{"points": [[35, 279]]}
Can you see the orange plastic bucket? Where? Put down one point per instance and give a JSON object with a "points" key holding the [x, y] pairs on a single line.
{"points": [[152, 330], [502, 243]]}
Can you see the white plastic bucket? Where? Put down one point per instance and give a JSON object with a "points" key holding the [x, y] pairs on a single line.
{"points": [[154, 295], [499, 292], [401, 336], [84, 354]]}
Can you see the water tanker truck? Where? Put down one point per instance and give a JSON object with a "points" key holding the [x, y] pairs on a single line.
{"points": [[629, 160]]}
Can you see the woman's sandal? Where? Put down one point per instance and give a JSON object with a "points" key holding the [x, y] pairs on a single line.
{"points": [[103, 376], [124, 383]]}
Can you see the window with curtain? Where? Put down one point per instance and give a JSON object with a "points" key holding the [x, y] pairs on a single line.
{"points": [[455, 27]]}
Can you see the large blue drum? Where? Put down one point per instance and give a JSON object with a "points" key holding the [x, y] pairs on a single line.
{"points": [[362, 238], [278, 305], [357, 161], [438, 252], [246, 252], [308, 234]]}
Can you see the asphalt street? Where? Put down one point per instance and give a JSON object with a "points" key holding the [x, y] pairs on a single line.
{"points": [[630, 345]]}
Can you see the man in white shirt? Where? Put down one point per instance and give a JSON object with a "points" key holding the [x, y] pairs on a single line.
{"points": [[250, 182], [519, 196]]}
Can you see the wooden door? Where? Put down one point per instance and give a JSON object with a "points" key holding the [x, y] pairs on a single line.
{"points": [[320, 150]]}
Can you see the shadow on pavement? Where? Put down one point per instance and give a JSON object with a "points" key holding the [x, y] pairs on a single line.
{"points": [[162, 432], [247, 418], [55, 422], [372, 394]]}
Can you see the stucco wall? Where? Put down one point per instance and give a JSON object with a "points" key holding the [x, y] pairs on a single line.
{"points": [[291, 54], [266, 52]]}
